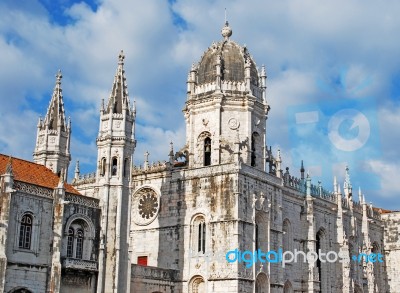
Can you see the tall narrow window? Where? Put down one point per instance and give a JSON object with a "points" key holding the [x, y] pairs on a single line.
{"points": [[126, 167], [79, 244], [70, 243], [114, 166], [25, 232], [103, 167], [253, 150], [201, 245], [317, 248], [207, 151], [257, 236]]}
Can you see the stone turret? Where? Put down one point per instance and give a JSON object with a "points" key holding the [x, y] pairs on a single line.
{"points": [[115, 145], [54, 135], [225, 99]]}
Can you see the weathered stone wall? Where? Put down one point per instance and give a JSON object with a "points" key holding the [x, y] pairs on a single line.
{"points": [[392, 250], [28, 268]]}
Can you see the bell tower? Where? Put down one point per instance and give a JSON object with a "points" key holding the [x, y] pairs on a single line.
{"points": [[115, 145], [226, 107], [53, 135]]}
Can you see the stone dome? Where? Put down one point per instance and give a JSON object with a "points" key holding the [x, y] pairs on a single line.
{"points": [[233, 60]]}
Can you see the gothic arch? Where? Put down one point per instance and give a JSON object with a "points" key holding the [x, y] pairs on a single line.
{"points": [[288, 288], [261, 231], [197, 285], [322, 268], [376, 248], [76, 223], [89, 227], [287, 239], [262, 283], [34, 233], [198, 234]]}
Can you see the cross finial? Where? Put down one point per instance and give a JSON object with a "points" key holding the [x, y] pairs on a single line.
{"points": [[225, 15], [226, 30]]}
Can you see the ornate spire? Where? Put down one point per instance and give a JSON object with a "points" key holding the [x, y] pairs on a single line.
{"points": [[302, 170], [308, 185], [77, 170], [55, 117], [171, 152], [119, 98], [9, 169], [347, 183]]}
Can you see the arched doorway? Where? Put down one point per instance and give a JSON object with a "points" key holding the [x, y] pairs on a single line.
{"points": [[288, 287], [262, 284], [197, 285]]}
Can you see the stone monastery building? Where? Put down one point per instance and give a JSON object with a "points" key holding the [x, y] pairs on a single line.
{"points": [[166, 227]]}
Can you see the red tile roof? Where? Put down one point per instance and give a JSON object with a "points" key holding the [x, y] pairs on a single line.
{"points": [[382, 211], [33, 173]]}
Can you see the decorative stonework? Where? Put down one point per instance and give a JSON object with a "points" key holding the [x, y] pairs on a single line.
{"points": [[82, 200], [80, 264], [233, 123], [33, 189], [145, 204]]}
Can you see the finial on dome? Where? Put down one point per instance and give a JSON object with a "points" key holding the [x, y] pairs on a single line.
{"points": [[226, 30], [121, 57]]}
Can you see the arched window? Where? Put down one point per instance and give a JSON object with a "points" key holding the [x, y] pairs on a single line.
{"points": [[25, 232], [114, 167], [207, 151], [287, 238], [288, 287], [201, 245], [253, 150], [70, 243], [103, 167], [79, 243], [322, 267], [199, 233], [76, 243]]}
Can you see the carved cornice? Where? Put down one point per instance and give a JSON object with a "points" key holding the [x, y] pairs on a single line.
{"points": [[33, 189], [82, 200]]}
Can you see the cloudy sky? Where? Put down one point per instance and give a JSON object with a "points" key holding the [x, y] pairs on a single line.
{"points": [[333, 76]]}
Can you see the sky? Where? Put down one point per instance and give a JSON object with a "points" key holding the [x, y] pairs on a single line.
{"points": [[333, 77]]}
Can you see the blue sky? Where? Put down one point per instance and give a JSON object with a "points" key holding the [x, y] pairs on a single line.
{"points": [[334, 60]]}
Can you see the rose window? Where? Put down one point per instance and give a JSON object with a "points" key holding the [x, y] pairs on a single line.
{"points": [[148, 206], [145, 205]]}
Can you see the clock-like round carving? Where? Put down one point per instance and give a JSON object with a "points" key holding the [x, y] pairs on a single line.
{"points": [[146, 204], [233, 123]]}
